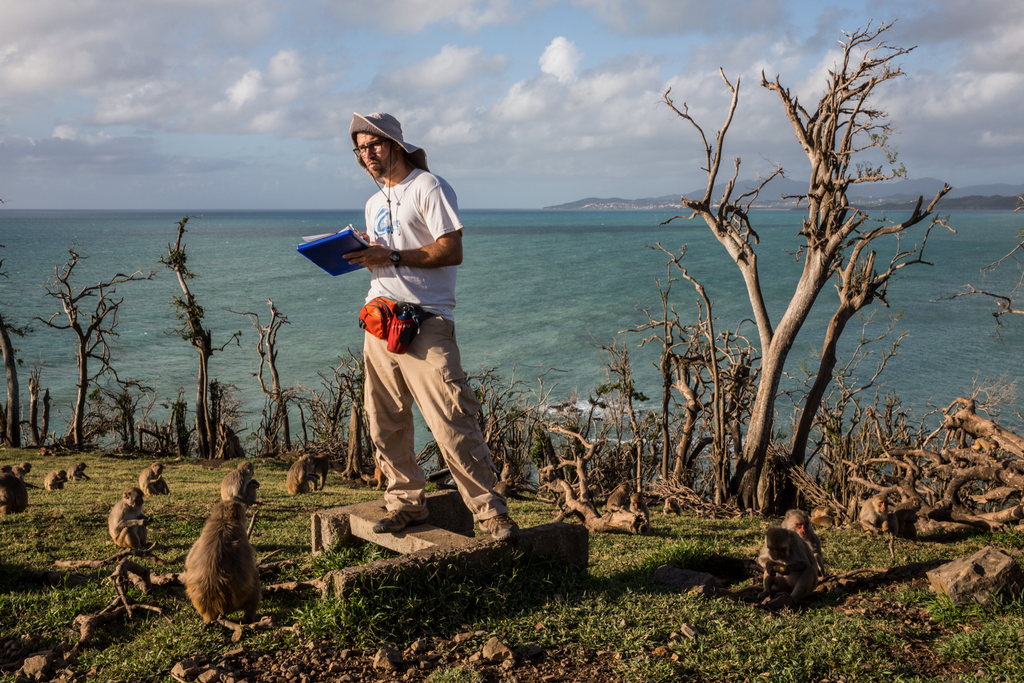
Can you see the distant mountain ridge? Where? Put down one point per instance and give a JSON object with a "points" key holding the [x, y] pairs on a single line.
{"points": [[893, 194]]}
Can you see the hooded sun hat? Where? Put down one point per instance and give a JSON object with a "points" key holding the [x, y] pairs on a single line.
{"points": [[386, 126]]}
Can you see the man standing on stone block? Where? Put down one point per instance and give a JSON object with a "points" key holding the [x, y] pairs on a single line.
{"points": [[413, 227]]}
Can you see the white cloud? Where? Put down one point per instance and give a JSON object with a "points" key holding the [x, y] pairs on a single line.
{"points": [[656, 17], [449, 68], [247, 88], [560, 59], [412, 16]]}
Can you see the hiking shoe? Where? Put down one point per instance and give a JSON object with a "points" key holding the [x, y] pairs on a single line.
{"points": [[394, 521], [500, 527]]}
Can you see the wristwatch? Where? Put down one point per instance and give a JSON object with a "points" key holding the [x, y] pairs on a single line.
{"points": [[395, 257]]}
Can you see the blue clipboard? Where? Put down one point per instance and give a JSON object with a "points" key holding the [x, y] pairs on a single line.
{"points": [[327, 252]]}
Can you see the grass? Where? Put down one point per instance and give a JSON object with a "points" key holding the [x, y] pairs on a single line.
{"points": [[892, 632]]}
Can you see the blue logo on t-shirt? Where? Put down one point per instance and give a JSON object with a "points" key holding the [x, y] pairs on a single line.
{"points": [[382, 223]]}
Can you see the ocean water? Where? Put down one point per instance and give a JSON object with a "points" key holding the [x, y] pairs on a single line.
{"points": [[538, 290]]}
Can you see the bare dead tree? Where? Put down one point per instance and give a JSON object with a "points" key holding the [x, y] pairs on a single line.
{"points": [[191, 328], [94, 332], [39, 432], [1006, 304], [10, 433], [836, 237], [276, 422], [114, 411]]}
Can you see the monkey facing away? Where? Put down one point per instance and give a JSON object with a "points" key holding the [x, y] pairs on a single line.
{"points": [[239, 484], [874, 514], [798, 521], [300, 475], [77, 473], [902, 521], [22, 470], [55, 480], [13, 494], [127, 522], [619, 499], [321, 466], [221, 575], [822, 516], [789, 567], [151, 480]]}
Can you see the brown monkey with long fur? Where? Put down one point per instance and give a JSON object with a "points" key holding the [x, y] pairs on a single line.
{"points": [[127, 522], [300, 475], [672, 506], [789, 567], [221, 575], [638, 505], [798, 521], [902, 521], [874, 514], [619, 499], [13, 494], [77, 472], [55, 480], [321, 466], [235, 484], [822, 516], [22, 470], [152, 482]]}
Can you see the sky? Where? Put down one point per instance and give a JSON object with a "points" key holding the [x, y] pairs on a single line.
{"points": [[246, 104]]}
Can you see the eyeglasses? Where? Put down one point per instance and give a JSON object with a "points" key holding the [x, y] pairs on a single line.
{"points": [[369, 148]]}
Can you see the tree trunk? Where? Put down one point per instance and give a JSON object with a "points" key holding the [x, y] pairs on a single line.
{"points": [[203, 441], [12, 428], [82, 395]]}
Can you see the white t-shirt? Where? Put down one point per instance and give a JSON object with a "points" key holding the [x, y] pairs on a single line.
{"points": [[422, 208]]}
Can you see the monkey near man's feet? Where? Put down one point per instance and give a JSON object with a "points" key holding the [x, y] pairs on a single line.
{"points": [[221, 574]]}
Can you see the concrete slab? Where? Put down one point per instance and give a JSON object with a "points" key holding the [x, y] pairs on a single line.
{"points": [[560, 542], [450, 522]]}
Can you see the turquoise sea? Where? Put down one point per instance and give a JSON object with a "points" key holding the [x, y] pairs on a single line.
{"points": [[537, 291]]}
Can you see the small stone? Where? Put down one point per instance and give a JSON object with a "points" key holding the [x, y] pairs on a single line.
{"points": [[533, 650], [334, 667], [349, 654], [293, 670], [690, 631], [210, 675], [539, 626], [673, 636], [426, 664], [475, 657], [387, 659], [462, 637], [35, 667], [186, 668], [496, 651], [419, 646], [346, 679]]}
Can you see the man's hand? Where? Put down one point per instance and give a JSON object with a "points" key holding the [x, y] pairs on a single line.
{"points": [[446, 251]]}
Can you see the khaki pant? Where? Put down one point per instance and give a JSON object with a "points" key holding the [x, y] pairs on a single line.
{"points": [[430, 373]]}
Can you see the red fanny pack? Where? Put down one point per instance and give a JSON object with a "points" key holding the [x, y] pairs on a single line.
{"points": [[397, 322]]}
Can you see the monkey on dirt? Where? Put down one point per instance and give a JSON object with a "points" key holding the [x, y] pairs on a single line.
{"points": [[127, 523], [151, 480], [221, 574], [789, 568]]}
